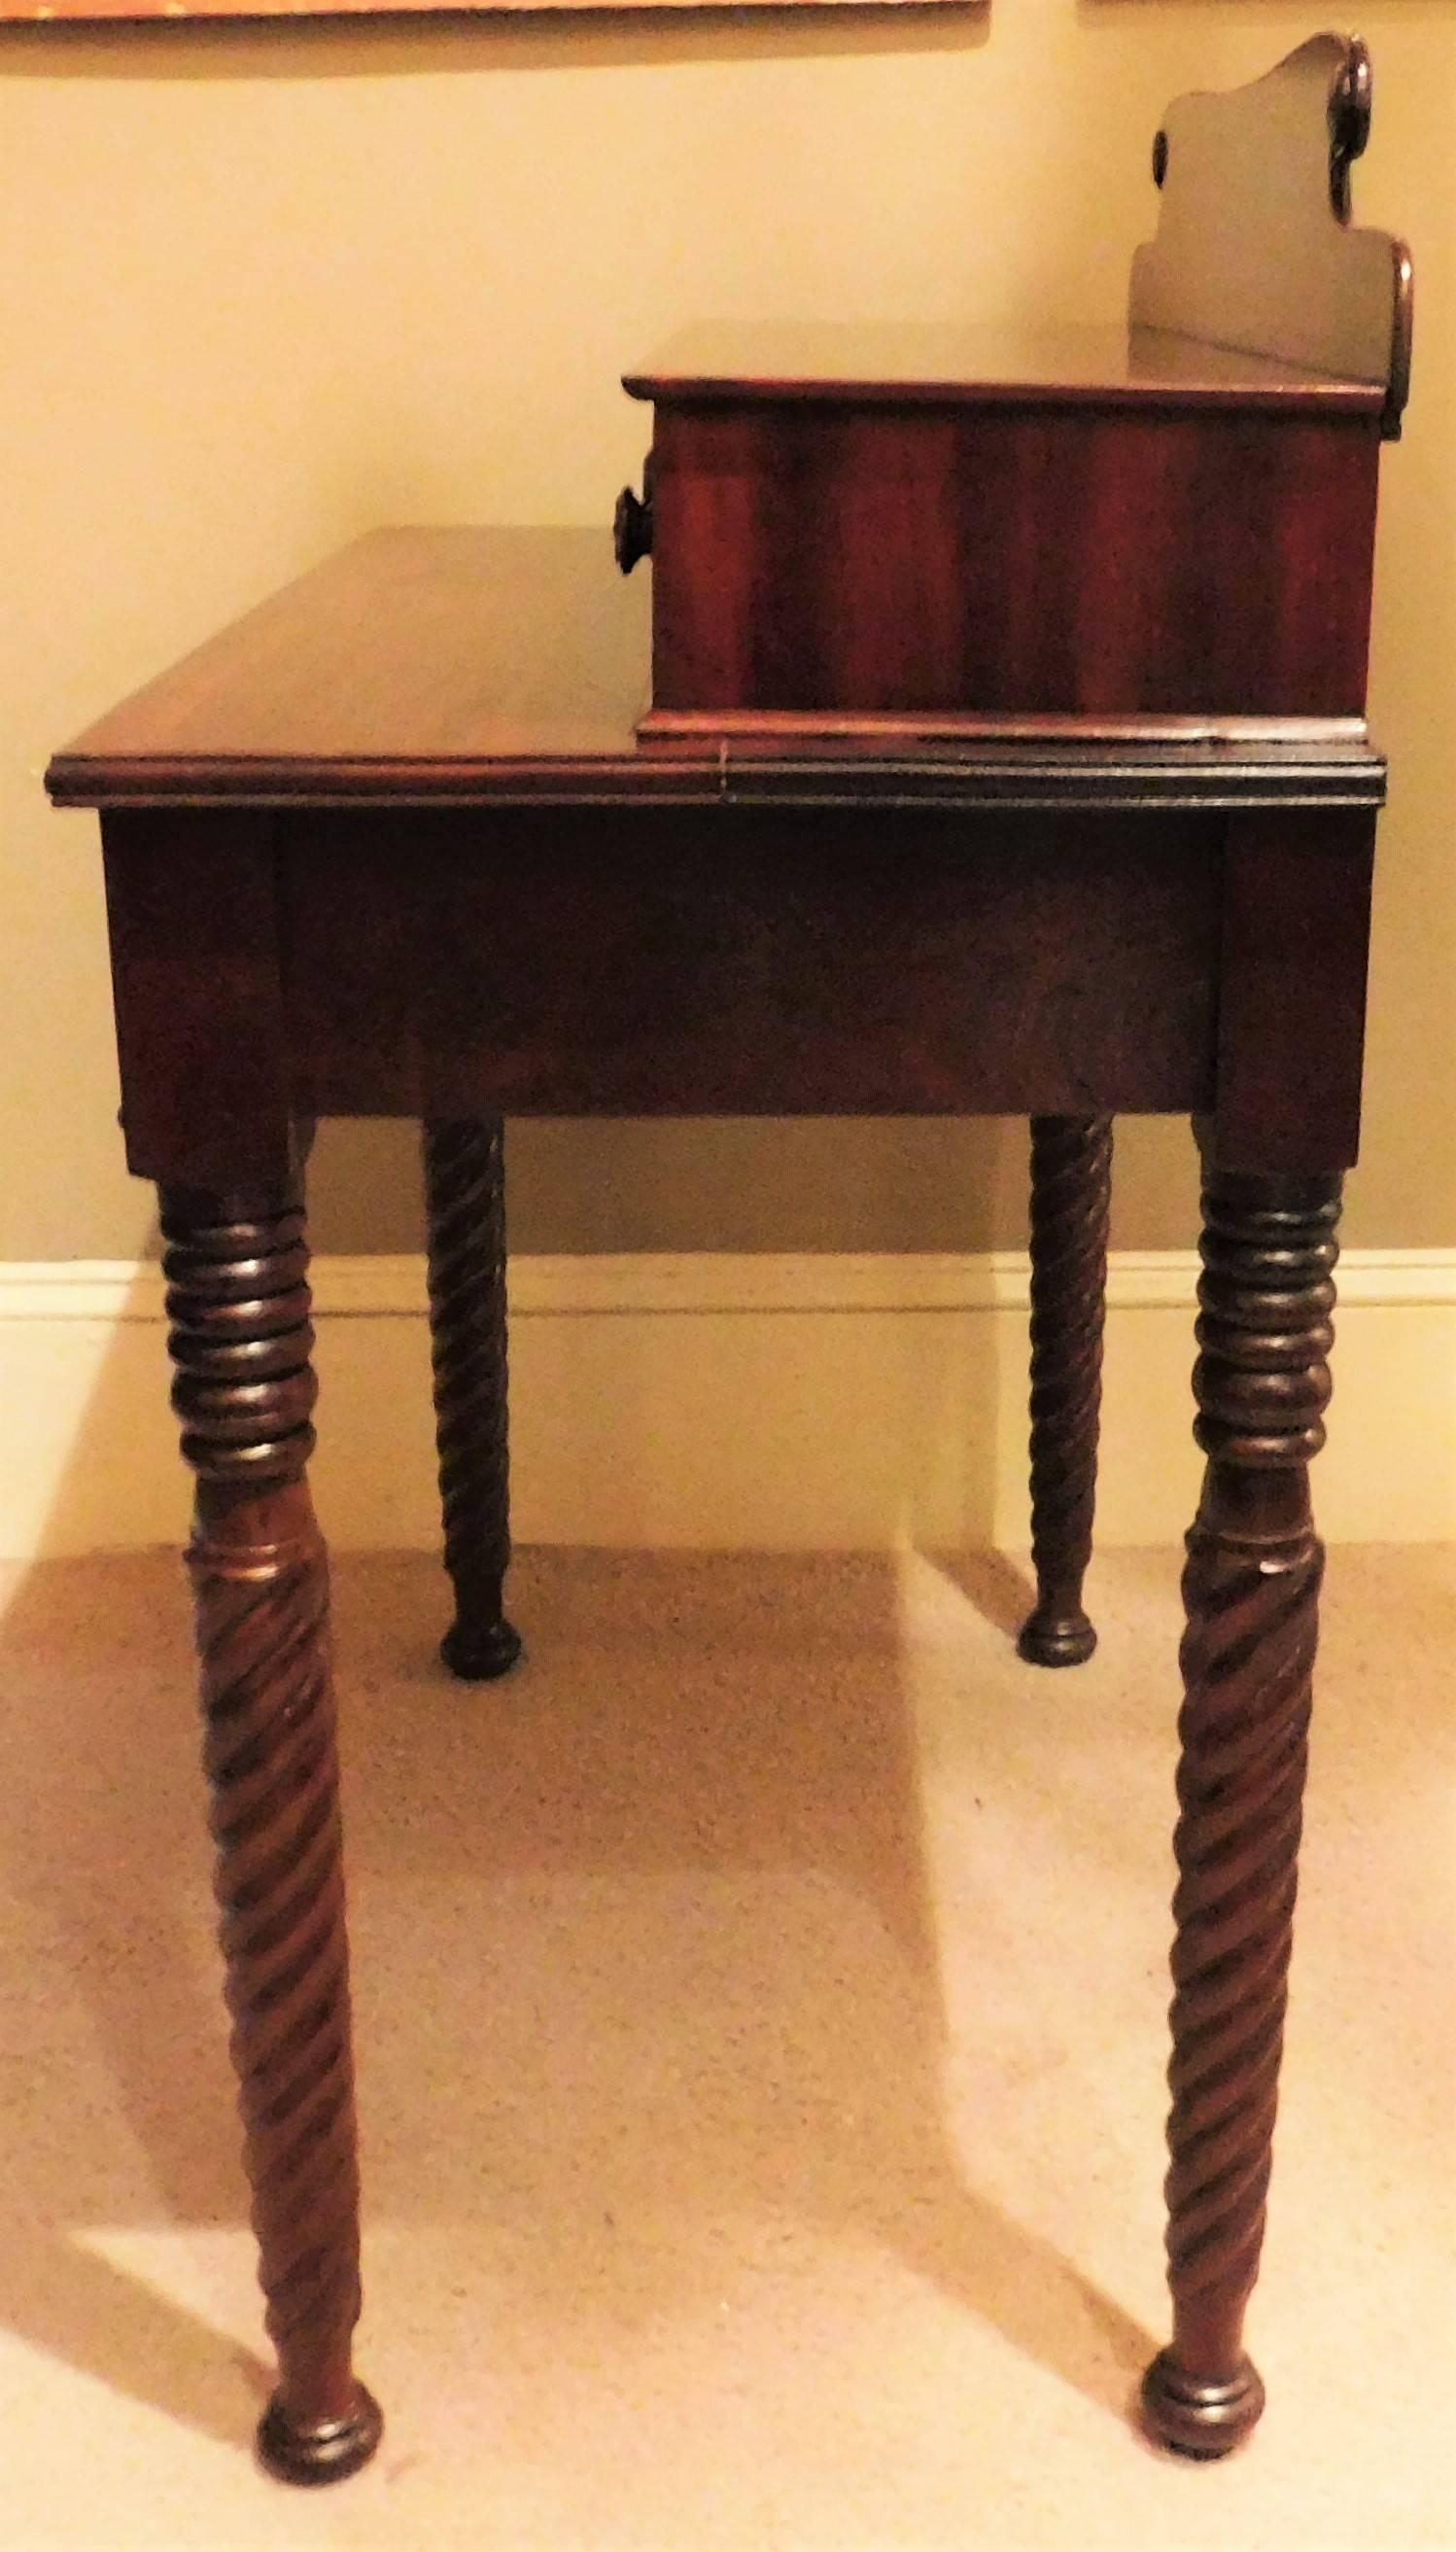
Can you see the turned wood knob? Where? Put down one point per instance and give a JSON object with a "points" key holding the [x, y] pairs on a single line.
{"points": [[632, 524]]}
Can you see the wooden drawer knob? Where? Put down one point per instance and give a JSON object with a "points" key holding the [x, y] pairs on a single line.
{"points": [[632, 523]]}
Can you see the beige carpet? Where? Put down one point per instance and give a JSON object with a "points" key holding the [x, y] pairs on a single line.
{"points": [[760, 2014]]}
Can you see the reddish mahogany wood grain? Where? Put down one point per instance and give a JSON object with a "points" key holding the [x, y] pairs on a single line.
{"points": [[409, 650], [497, 665], [197, 993], [761, 922], [1009, 559], [1292, 1000], [748, 964], [1110, 900]]}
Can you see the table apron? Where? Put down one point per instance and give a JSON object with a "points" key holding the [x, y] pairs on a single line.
{"points": [[772, 962], [271, 967]]}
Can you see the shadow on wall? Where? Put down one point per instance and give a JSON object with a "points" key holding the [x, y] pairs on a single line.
{"points": [[648, 1966]]}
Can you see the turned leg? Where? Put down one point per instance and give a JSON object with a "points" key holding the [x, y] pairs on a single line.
{"points": [[1251, 1590], [464, 1193], [238, 1301], [1071, 1183]]}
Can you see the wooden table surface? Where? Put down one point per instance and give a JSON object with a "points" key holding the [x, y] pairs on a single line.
{"points": [[508, 663]]}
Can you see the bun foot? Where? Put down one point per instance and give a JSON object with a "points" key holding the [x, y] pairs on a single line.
{"points": [[324, 2451], [1197, 2417], [481, 1657], [1056, 1638]]}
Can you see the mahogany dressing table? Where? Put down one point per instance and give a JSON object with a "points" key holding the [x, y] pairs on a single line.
{"points": [[1006, 754]]}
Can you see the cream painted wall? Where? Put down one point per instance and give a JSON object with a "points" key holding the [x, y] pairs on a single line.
{"points": [[260, 290]]}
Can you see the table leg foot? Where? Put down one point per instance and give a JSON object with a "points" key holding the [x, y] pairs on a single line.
{"points": [[1071, 1187], [320, 2451], [481, 1651], [465, 1194], [1201, 2417], [317, 2451], [1051, 1638]]}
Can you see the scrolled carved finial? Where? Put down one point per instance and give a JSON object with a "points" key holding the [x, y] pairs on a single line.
{"points": [[1350, 99]]}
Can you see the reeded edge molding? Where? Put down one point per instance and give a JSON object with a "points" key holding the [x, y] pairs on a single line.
{"points": [[711, 1281]]}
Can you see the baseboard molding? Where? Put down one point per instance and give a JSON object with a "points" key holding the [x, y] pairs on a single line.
{"points": [[721, 1399]]}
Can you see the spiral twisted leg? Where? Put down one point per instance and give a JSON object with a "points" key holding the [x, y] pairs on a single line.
{"points": [[239, 1340], [1251, 1589], [464, 1193], [1071, 1185]]}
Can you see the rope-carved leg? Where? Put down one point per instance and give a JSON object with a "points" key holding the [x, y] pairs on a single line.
{"points": [[238, 1301], [1251, 1589], [1071, 1182], [465, 1194]]}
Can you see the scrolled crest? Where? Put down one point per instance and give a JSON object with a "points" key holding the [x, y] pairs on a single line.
{"points": [[1255, 246]]}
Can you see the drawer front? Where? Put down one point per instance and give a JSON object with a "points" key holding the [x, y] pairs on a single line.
{"points": [[810, 556]]}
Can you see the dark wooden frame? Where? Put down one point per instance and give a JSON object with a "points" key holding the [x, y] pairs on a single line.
{"points": [[153, 12]]}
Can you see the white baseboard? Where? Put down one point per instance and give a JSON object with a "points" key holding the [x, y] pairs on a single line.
{"points": [[709, 1400]]}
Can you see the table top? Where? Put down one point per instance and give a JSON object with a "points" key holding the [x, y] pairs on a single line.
{"points": [[510, 665], [981, 363], [496, 900]]}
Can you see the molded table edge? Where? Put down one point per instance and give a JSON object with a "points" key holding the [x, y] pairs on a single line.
{"points": [[1013, 775]]}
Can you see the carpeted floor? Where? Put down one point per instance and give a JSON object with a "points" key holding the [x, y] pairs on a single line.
{"points": [[761, 2010]]}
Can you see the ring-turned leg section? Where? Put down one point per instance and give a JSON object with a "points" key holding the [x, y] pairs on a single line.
{"points": [[464, 1193], [1251, 1590], [1070, 1185], [238, 1301]]}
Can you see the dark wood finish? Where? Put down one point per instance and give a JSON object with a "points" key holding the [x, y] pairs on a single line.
{"points": [[900, 364], [497, 666], [1292, 1000], [1071, 1193], [632, 523], [198, 996], [505, 648], [850, 555], [648, 962], [338, 881], [147, 11], [1251, 1589], [465, 1190], [1173, 517], [464, 1196], [1007, 754], [237, 1270]]}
